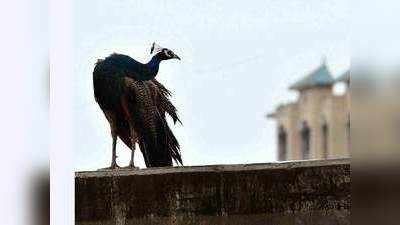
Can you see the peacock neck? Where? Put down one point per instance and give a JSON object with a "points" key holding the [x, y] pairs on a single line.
{"points": [[149, 70], [154, 64]]}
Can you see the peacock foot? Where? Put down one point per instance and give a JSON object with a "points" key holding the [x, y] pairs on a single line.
{"points": [[131, 167]]}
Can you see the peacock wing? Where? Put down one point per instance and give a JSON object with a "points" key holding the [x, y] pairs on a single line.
{"points": [[161, 96]]}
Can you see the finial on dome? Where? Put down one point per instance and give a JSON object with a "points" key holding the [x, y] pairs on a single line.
{"points": [[323, 60]]}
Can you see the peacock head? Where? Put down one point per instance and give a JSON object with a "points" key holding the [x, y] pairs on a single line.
{"points": [[163, 53]]}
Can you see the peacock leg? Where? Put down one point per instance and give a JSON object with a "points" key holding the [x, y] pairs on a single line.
{"points": [[132, 162], [133, 147], [133, 136], [112, 120], [114, 164]]}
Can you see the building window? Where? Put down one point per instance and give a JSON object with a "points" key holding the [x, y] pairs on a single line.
{"points": [[348, 134], [325, 140], [305, 140], [282, 144]]}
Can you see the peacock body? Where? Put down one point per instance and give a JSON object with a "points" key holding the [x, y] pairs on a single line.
{"points": [[135, 104]]}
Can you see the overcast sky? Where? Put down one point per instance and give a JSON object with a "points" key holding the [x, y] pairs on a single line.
{"points": [[238, 58]]}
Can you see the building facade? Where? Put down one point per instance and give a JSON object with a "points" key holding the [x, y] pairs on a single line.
{"points": [[317, 125]]}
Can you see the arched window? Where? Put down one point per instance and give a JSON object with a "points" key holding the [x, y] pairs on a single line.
{"points": [[348, 134], [325, 140], [282, 144], [305, 140]]}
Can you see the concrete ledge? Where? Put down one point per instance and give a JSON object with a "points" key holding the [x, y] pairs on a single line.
{"points": [[301, 192]]}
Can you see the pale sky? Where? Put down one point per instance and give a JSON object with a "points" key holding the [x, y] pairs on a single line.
{"points": [[238, 58]]}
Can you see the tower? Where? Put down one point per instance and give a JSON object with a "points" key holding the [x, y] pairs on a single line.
{"points": [[316, 125]]}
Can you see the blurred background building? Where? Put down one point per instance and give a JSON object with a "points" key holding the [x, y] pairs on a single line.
{"points": [[317, 125]]}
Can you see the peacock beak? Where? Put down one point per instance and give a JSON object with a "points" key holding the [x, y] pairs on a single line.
{"points": [[176, 57]]}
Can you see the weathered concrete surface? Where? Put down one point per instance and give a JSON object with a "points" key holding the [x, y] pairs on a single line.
{"points": [[303, 192]]}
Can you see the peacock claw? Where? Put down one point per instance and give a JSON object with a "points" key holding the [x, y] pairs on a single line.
{"points": [[113, 167], [132, 167]]}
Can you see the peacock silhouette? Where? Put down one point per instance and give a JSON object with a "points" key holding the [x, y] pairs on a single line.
{"points": [[135, 105]]}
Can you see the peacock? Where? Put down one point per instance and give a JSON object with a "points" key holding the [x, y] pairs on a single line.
{"points": [[135, 104]]}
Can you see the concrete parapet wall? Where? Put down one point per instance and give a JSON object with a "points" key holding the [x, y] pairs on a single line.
{"points": [[302, 192]]}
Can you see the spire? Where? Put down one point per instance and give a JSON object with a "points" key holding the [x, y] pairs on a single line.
{"points": [[323, 60], [317, 78]]}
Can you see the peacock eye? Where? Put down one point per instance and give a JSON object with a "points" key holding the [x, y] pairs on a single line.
{"points": [[168, 53]]}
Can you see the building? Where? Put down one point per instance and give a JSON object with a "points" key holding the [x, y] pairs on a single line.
{"points": [[317, 125]]}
